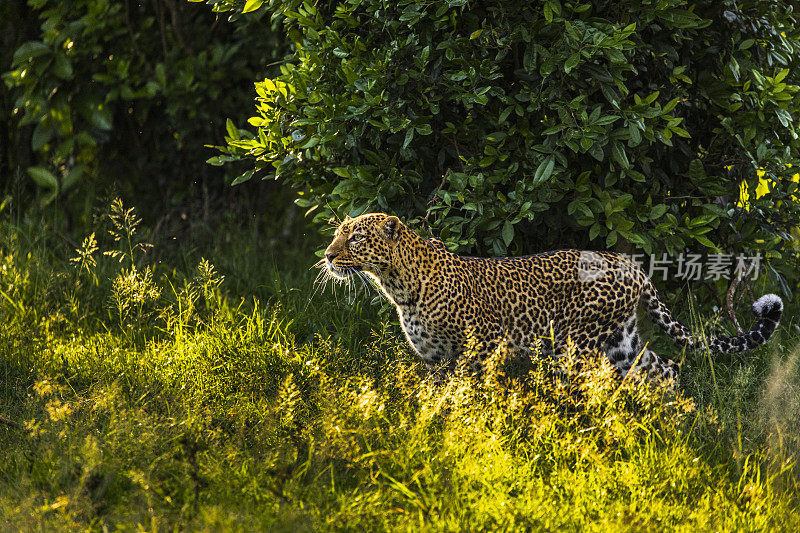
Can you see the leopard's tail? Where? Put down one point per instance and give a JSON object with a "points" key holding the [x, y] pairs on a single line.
{"points": [[768, 309]]}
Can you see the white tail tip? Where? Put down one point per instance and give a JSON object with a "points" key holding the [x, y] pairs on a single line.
{"points": [[767, 304]]}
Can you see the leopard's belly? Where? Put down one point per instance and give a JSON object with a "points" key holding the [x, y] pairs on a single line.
{"points": [[439, 337]]}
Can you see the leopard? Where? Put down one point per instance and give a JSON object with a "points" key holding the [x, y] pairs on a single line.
{"points": [[586, 301]]}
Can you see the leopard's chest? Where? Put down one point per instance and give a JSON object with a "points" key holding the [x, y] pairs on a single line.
{"points": [[431, 341]]}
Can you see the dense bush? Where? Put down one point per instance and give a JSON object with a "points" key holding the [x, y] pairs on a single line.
{"points": [[517, 126], [125, 93]]}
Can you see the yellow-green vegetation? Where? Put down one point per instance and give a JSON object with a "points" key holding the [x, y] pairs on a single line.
{"points": [[147, 397]]}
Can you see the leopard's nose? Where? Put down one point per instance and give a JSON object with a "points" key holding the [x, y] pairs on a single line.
{"points": [[330, 256]]}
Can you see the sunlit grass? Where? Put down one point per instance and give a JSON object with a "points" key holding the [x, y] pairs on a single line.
{"points": [[181, 399]]}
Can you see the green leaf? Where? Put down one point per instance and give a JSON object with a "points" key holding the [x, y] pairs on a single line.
{"points": [[704, 241], [606, 120], [161, 74], [43, 178], [72, 177], [548, 13], [635, 134], [475, 34], [597, 152], [554, 129], [572, 32], [658, 211], [670, 105], [680, 131], [41, 136], [572, 62], [310, 143], [650, 99], [217, 160], [343, 187], [61, 67], [619, 155], [508, 232], [409, 137], [594, 231], [635, 175], [697, 173], [233, 131], [102, 119], [544, 169], [424, 129], [783, 116], [28, 51], [252, 5], [244, 177]]}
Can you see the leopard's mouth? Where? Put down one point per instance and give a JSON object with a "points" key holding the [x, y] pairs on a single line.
{"points": [[342, 272]]}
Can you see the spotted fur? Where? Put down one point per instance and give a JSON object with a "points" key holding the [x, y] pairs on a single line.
{"points": [[588, 297]]}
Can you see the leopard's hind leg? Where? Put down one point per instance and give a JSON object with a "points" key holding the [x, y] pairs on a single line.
{"points": [[624, 348]]}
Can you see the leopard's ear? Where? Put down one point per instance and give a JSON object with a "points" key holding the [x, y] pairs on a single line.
{"points": [[334, 221], [390, 228]]}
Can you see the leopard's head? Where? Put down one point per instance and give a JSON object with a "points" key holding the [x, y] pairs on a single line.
{"points": [[363, 244]]}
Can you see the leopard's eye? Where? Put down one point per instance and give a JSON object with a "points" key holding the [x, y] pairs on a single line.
{"points": [[355, 237]]}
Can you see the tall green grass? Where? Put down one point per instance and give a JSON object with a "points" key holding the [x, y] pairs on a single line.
{"points": [[223, 396]]}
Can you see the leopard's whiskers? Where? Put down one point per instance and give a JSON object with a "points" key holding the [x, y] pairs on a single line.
{"points": [[367, 284], [321, 281]]}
